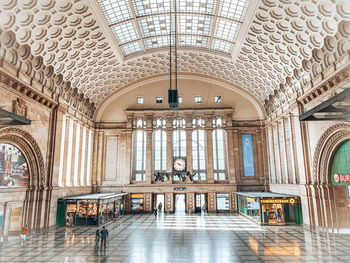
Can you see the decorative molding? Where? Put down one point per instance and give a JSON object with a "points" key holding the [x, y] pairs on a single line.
{"points": [[19, 107], [325, 149]]}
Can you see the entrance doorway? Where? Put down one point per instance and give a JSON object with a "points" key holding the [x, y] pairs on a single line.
{"points": [[180, 203], [158, 202], [201, 203]]}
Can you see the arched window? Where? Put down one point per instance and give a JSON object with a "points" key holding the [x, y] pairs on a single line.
{"points": [[139, 150], [159, 145], [13, 167], [340, 167], [199, 149], [219, 148]]}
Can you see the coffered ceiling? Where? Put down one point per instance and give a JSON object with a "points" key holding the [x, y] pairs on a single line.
{"points": [[102, 46]]}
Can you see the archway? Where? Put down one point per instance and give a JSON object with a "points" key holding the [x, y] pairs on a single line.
{"points": [[332, 208], [27, 203]]}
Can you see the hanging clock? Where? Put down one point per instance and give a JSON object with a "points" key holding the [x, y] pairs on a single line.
{"points": [[179, 164]]}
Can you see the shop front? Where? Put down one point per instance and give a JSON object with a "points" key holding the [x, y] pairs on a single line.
{"points": [[92, 209], [270, 208]]}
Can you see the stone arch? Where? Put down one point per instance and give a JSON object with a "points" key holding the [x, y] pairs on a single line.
{"points": [[326, 147], [29, 147]]}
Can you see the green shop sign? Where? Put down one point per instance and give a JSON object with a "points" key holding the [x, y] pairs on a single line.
{"points": [[340, 168], [340, 179]]}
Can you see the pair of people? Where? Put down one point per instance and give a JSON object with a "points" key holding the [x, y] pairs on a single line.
{"points": [[103, 234]]}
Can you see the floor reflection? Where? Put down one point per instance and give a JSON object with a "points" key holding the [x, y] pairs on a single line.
{"points": [[180, 238]]}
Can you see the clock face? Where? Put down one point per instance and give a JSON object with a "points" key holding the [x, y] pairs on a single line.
{"points": [[179, 164]]}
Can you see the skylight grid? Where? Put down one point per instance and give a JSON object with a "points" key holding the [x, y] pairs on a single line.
{"points": [[157, 42], [131, 48], [226, 29], [125, 32], [193, 41], [221, 45], [154, 25], [115, 10], [151, 7], [197, 6], [234, 9], [195, 24]]}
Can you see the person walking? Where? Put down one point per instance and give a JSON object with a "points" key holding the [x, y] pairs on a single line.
{"points": [[104, 235], [160, 206], [24, 233], [97, 237], [155, 212]]}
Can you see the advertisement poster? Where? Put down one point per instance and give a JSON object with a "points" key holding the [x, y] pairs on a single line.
{"points": [[13, 167], [137, 202], [248, 156]]}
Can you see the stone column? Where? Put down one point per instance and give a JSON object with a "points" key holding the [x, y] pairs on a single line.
{"points": [[84, 155], [57, 178], [77, 154], [210, 168], [169, 150], [67, 152], [149, 157], [73, 146], [100, 159], [7, 218], [212, 202], [233, 157], [189, 150], [190, 203]]}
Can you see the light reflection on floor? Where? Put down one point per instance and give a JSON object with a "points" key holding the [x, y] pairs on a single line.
{"points": [[180, 238]]}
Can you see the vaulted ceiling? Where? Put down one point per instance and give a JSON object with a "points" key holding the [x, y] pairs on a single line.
{"points": [[102, 46]]}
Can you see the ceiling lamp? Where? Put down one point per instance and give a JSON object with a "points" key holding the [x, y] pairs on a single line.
{"points": [[172, 93]]}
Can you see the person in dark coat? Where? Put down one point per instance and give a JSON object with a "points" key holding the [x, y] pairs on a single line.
{"points": [[155, 212], [104, 235]]}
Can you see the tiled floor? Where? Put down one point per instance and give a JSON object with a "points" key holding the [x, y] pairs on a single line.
{"points": [[180, 238]]}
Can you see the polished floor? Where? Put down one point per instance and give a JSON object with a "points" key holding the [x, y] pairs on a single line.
{"points": [[180, 238]]}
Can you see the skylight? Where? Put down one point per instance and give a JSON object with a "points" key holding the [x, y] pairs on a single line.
{"points": [[141, 25]]}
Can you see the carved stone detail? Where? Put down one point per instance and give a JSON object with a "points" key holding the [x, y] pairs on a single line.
{"points": [[19, 107]]}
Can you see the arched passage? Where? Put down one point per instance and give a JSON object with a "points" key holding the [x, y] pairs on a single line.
{"points": [[28, 206]]}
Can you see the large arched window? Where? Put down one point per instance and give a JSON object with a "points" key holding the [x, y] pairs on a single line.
{"points": [[199, 149], [179, 138], [340, 167], [159, 145], [13, 167], [139, 150], [219, 149]]}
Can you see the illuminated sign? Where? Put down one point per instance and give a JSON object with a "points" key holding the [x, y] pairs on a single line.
{"points": [[179, 188], [340, 179], [137, 196], [278, 201]]}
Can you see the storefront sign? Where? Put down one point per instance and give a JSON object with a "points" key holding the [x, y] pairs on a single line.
{"points": [[137, 196], [278, 201], [340, 179], [179, 188]]}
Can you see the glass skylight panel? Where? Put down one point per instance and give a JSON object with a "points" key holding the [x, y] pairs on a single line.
{"points": [[156, 42], [148, 7], [196, 6], [226, 29], [125, 32], [115, 10], [222, 46], [131, 48], [194, 41], [234, 9], [155, 25], [194, 24]]}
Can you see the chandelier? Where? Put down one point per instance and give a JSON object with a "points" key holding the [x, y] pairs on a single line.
{"points": [[179, 163]]}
